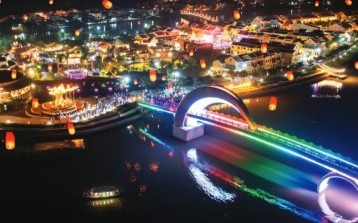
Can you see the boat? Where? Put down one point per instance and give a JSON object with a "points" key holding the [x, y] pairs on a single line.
{"points": [[102, 192]]}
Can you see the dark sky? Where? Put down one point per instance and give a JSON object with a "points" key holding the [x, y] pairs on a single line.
{"points": [[21, 6]]}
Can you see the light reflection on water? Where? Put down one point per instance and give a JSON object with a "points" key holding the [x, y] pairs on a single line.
{"points": [[327, 89], [64, 144], [105, 203]]}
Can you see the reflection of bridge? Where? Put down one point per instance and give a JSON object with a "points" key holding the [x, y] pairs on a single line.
{"points": [[191, 115]]}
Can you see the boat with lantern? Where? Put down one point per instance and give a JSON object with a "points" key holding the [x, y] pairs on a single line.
{"points": [[102, 192]]}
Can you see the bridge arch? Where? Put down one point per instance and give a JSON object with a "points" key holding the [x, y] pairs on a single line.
{"points": [[202, 97], [323, 184]]}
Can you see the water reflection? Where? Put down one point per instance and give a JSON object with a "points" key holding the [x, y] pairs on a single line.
{"points": [[327, 89], [112, 202], [64, 144]]}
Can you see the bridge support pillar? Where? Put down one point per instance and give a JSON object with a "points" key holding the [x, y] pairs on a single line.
{"points": [[188, 133]]}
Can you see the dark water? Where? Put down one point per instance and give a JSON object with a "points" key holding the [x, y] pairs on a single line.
{"points": [[46, 186]]}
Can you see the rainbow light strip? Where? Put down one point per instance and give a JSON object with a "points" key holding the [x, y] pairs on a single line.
{"points": [[150, 136]]}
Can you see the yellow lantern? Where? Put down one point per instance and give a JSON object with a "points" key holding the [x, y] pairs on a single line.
{"points": [[25, 17], [290, 75], [49, 67], [236, 14], [191, 52], [107, 4], [356, 65], [202, 63], [348, 2], [35, 102], [9, 140], [77, 32], [273, 103], [316, 3], [13, 74], [152, 75], [264, 48], [71, 128], [135, 81], [50, 2]]}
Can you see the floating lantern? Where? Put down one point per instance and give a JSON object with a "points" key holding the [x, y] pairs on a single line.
{"points": [[170, 86], [273, 103], [107, 4], [154, 166], [25, 17], [202, 63], [71, 128], [264, 48], [236, 14], [77, 32], [13, 74], [191, 52], [356, 65], [152, 75], [316, 3], [49, 67], [289, 75], [9, 140], [135, 81], [35, 102], [164, 78], [50, 2], [348, 2]]}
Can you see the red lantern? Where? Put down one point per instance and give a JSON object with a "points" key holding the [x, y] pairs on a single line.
{"points": [[71, 128], [13, 74], [50, 2], [152, 75], [77, 32], [289, 75], [316, 3], [191, 52], [273, 103], [356, 65], [135, 81], [107, 4], [164, 78], [348, 2], [202, 63], [264, 48], [170, 86], [35, 103], [49, 67], [9, 140], [25, 17], [236, 14]]}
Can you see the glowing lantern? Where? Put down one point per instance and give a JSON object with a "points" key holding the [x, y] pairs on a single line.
{"points": [[348, 2], [170, 86], [107, 4], [77, 32], [50, 2], [13, 74], [71, 128], [202, 63], [135, 81], [49, 67], [191, 52], [356, 65], [273, 103], [164, 78], [152, 75], [289, 75], [316, 3], [264, 48], [10, 140], [236, 14], [35, 103], [25, 17]]}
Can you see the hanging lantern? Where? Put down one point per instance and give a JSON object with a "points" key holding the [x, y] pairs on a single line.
{"points": [[289, 75], [164, 78], [191, 52], [170, 86], [202, 63], [152, 75], [107, 4], [356, 65], [50, 2], [316, 3], [135, 81], [77, 32], [71, 128], [236, 14], [348, 2], [35, 102], [13, 74], [25, 17], [9, 140], [273, 103], [264, 48], [49, 67]]}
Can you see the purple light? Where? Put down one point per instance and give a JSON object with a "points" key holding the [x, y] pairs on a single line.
{"points": [[96, 90], [110, 89], [78, 90]]}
